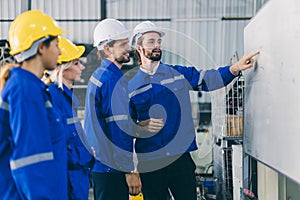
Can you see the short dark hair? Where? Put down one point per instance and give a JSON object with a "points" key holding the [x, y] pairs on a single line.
{"points": [[46, 43], [102, 54]]}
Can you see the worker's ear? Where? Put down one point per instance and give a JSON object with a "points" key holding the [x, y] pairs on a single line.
{"points": [[139, 48], [41, 48], [106, 50]]}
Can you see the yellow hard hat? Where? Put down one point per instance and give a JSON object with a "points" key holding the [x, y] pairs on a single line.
{"points": [[137, 197], [69, 51], [30, 26]]}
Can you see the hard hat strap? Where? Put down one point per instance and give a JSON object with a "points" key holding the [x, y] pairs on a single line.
{"points": [[102, 43], [24, 55]]}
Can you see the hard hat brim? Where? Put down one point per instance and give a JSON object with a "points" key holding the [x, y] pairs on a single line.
{"points": [[77, 55], [138, 33], [120, 36]]}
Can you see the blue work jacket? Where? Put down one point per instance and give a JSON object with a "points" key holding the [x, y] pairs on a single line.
{"points": [[80, 160], [32, 141], [78, 155], [107, 121], [165, 95]]}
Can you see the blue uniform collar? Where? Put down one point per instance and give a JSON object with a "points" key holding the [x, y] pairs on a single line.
{"points": [[27, 74], [70, 94], [110, 65], [162, 70]]}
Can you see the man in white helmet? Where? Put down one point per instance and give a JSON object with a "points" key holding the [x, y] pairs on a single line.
{"points": [[107, 125], [161, 91]]}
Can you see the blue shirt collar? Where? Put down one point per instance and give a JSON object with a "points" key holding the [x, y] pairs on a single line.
{"points": [[69, 92], [162, 70], [29, 75], [110, 65]]}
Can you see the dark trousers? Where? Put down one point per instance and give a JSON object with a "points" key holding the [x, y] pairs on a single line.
{"points": [[109, 186], [179, 177]]}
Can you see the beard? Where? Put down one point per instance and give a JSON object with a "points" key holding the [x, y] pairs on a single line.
{"points": [[154, 55], [123, 59]]}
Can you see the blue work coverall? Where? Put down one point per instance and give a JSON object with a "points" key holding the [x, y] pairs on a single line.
{"points": [[165, 95], [32, 141], [108, 130], [80, 161]]}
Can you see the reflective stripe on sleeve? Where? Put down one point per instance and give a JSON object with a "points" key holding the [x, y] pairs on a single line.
{"points": [[171, 80], [73, 120], [95, 81], [4, 105], [180, 77], [29, 160], [116, 118], [141, 90]]}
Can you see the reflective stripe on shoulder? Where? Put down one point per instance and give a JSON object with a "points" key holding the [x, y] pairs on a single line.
{"points": [[202, 73], [180, 77], [95, 81], [171, 80], [116, 118], [48, 104], [140, 90], [73, 120], [4, 105], [166, 81], [29, 160]]}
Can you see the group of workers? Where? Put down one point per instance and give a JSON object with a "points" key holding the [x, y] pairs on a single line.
{"points": [[45, 153]]}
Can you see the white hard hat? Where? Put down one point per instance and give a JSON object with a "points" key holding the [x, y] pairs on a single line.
{"points": [[143, 28], [108, 30]]}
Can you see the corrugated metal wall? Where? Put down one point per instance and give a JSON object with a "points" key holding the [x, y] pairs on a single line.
{"points": [[214, 28], [8, 11], [78, 17]]}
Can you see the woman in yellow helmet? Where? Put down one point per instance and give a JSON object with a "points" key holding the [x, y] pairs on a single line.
{"points": [[32, 141], [80, 161]]}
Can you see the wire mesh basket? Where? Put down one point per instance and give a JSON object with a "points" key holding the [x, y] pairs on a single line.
{"points": [[234, 108]]}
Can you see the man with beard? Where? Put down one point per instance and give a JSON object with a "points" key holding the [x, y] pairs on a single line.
{"points": [[161, 91], [107, 125]]}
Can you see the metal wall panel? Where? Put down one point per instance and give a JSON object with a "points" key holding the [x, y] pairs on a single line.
{"points": [[8, 11], [78, 17], [272, 108], [200, 20]]}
